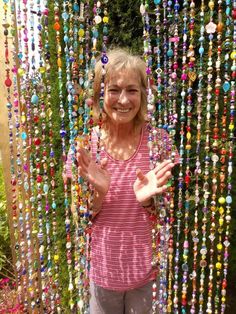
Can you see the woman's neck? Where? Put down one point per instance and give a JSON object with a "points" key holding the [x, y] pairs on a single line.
{"points": [[121, 132], [121, 143]]}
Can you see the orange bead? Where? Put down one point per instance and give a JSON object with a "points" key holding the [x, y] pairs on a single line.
{"points": [[220, 27], [56, 26]]}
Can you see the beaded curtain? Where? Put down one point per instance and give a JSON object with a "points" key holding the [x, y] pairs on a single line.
{"points": [[190, 54]]}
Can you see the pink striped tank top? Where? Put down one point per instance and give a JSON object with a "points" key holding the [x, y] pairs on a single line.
{"points": [[121, 245]]}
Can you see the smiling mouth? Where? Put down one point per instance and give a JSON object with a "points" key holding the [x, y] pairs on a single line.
{"points": [[122, 110]]}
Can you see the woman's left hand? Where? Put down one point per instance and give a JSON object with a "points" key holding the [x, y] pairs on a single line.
{"points": [[152, 183]]}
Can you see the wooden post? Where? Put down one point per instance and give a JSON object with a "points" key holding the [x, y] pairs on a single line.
{"points": [[4, 137]]}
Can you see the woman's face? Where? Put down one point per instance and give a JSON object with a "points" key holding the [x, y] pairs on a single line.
{"points": [[122, 97]]}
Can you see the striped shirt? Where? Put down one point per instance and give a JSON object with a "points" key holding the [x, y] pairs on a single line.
{"points": [[121, 245]]}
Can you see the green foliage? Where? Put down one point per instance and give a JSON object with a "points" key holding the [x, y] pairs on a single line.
{"points": [[125, 25]]}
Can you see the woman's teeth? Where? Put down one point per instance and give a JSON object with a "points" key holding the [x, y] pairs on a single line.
{"points": [[122, 110]]}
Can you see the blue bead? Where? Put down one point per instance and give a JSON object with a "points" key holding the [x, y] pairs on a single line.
{"points": [[66, 38], [34, 99], [228, 199], [104, 59], [211, 36], [170, 53], [65, 16], [226, 86], [54, 205], [201, 50], [63, 133], [23, 136], [176, 6], [76, 7]]}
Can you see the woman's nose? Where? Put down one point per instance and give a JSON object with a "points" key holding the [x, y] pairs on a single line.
{"points": [[123, 97]]}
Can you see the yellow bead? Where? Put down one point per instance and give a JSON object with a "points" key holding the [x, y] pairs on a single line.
{"points": [[105, 19], [218, 265], [188, 147], [211, 5], [81, 32], [231, 127], [219, 246], [221, 210], [188, 135], [233, 55], [221, 221], [59, 63], [23, 119], [21, 72], [42, 70], [49, 113], [221, 200], [56, 258]]}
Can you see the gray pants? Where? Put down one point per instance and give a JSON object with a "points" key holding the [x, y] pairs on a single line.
{"points": [[135, 301]]}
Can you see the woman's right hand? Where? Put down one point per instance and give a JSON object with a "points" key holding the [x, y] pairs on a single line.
{"points": [[95, 174]]}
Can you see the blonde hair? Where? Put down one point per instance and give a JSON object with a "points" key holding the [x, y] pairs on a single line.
{"points": [[119, 60]]}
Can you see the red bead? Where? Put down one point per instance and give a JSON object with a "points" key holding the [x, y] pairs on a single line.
{"points": [[187, 179], [13, 182], [224, 283], [8, 82], [36, 119], [39, 179], [234, 14], [191, 26], [88, 231], [184, 301], [37, 141]]}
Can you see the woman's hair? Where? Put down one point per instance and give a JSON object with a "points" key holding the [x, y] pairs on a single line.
{"points": [[119, 60]]}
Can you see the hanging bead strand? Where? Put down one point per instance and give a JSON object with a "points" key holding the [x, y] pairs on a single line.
{"points": [[231, 138], [197, 172], [210, 29], [181, 179]]}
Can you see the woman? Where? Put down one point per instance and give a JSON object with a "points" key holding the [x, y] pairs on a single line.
{"points": [[121, 274]]}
